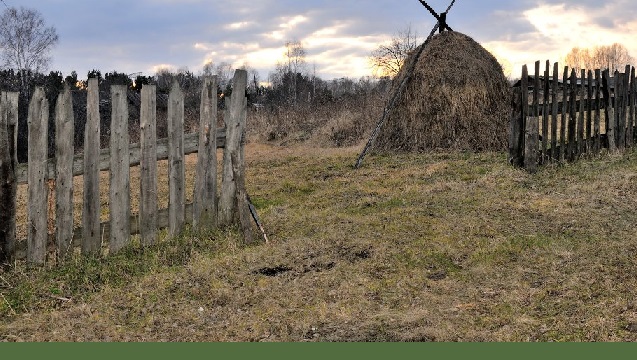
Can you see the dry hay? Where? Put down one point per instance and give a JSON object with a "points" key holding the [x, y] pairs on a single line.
{"points": [[458, 98]]}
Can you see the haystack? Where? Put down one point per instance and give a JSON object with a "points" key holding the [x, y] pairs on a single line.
{"points": [[458, 98]]}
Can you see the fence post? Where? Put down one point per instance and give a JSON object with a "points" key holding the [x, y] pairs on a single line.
{"points": [[581, 146], [598, 110], [205, 199], [620, 132], [589, 112], [8, 180], [545, 113], [609, 111], [572, 122], [625, 105], [64, 134], [148, 166], [176, 166], [227, 203], [554, 111], [91, 239], [563, 119], [119, 192], [531, 140], [37, 219]]}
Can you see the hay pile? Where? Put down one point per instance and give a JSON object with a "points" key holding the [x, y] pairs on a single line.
{"points": [[458, 98]]}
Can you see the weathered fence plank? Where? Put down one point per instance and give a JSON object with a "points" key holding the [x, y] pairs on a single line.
{"points": [[516, 153], [609, 111], [148, 163], [620, 88], [563, 122], [64, 134], [176, 165], [8, 183], [572, 123], [597, 146], [119, 194], [241, 198], [91, 240], [37, 218], [581, 119], [205, 199], [531, 134], [545, 114], [554, 92], [227, 201], [631, 115], [589, 113]]}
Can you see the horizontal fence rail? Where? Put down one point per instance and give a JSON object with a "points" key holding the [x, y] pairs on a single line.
{"points": [[210, 208], [562, 117]]}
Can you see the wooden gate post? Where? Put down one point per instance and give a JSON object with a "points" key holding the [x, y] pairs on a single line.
{"points": [[227, 203]]}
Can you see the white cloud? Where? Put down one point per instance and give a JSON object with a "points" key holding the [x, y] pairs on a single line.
{"points": [[559, 28]]}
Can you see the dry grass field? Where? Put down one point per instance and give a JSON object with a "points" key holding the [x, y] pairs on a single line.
{"points": [[411, 247]]}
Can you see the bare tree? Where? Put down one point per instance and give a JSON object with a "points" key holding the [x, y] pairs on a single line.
{"points": [[389, 57], [25, 41], [612, 57], [295, 56]]}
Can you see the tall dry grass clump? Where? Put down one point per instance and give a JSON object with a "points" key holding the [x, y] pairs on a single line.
{"points": [[458, 98]]}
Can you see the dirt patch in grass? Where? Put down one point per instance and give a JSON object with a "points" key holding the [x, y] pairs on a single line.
{"points": [[434, 247]]}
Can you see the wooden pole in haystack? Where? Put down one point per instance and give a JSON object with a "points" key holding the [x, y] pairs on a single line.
{"points": [[441, 25]]}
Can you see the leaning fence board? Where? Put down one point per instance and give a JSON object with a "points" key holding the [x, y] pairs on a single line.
{"points": [[205, 199], [8, 183], [91, 240], [176, 165], [233, 141], [148, 165], [37, 217], [119, 191], [64, 134]]}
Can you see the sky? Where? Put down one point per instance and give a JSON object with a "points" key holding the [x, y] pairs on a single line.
{"points": [[142, 36]]}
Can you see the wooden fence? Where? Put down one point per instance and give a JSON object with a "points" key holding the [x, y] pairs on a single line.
{"points": [[563, 118], [207, 210]]}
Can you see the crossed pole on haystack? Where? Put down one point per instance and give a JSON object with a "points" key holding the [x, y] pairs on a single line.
{"points": [[441, 25]]}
